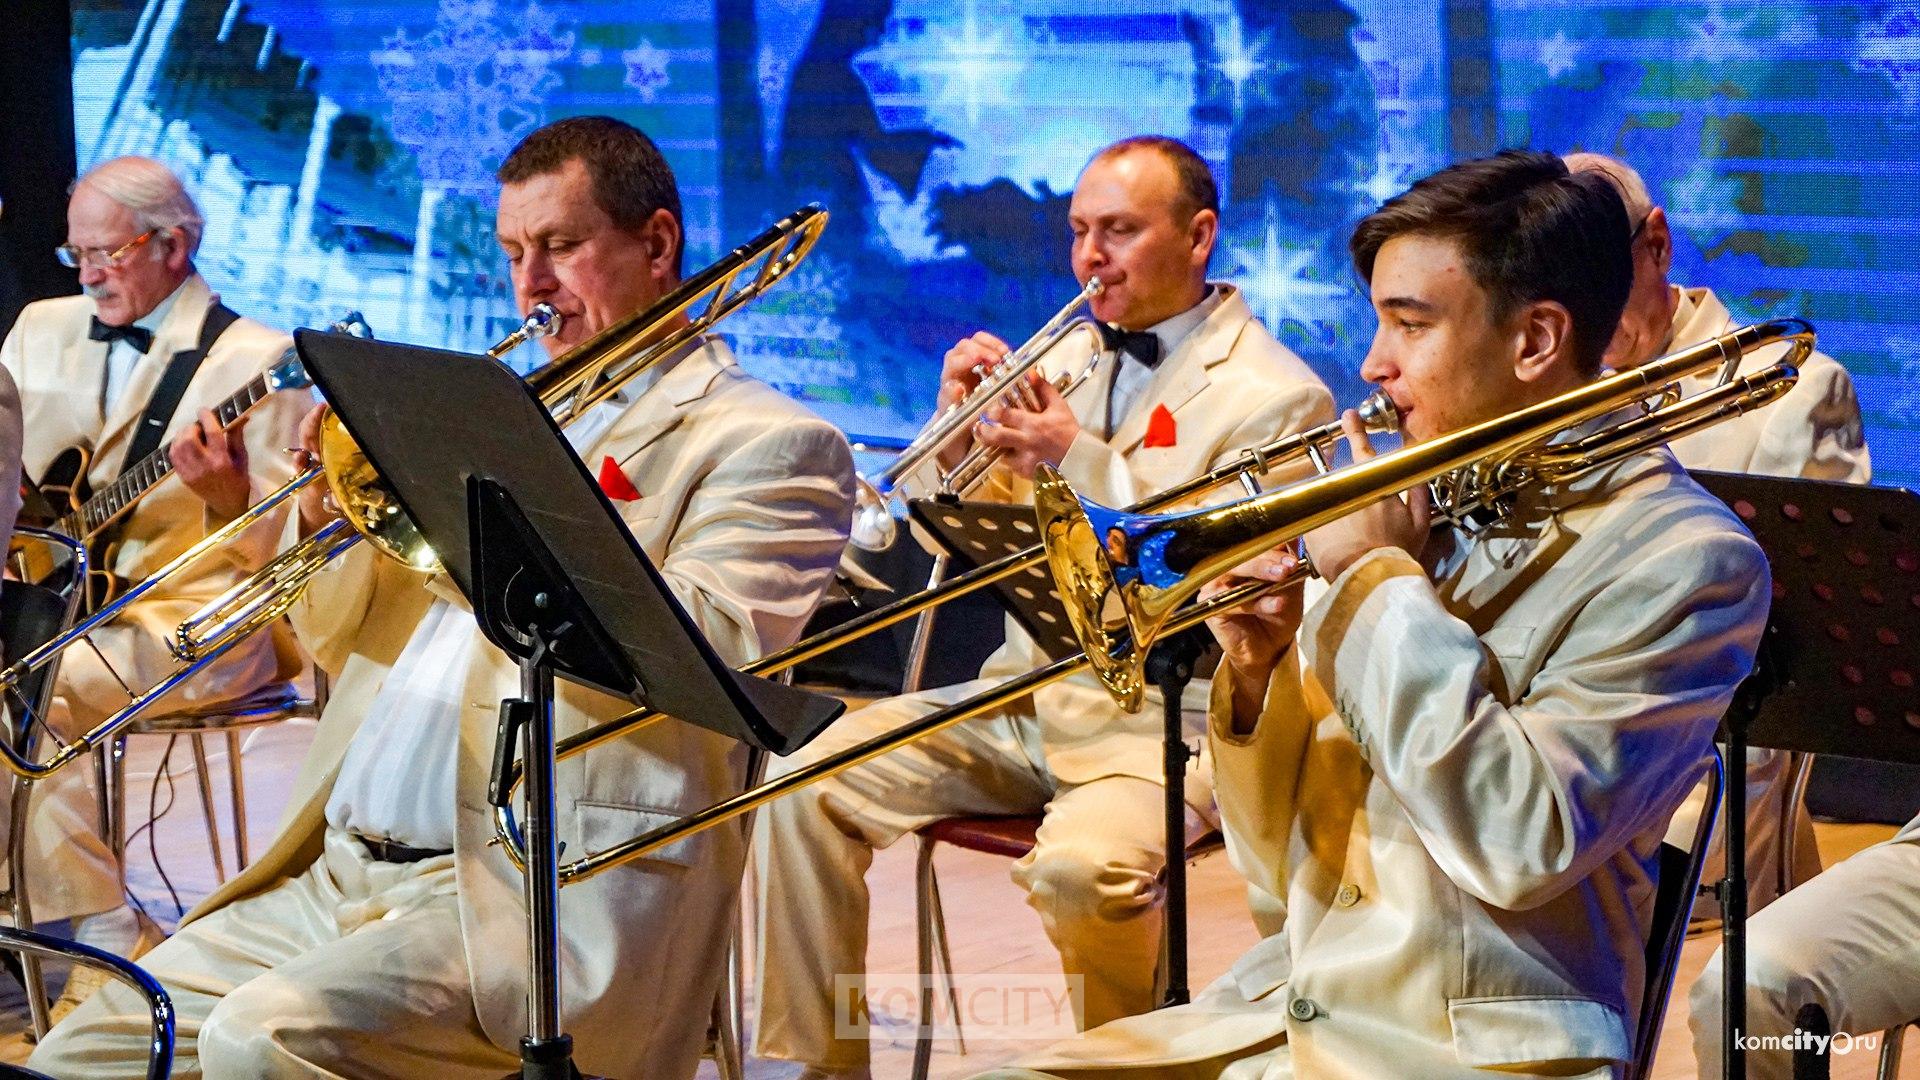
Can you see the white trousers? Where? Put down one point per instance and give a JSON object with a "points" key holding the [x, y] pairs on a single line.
{"points": [[1848, 941], [72, 871], [1093, 877], [354, 969]]}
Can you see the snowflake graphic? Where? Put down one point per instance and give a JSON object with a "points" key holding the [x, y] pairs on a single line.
{"points": [[1892, 48], [1387, 181], [1558, 55], [1720, 35], [464, 94], [646, 69]]}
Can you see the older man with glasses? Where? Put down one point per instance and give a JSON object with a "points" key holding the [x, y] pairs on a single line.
{"points": [[1813, 432], [143, 356]]}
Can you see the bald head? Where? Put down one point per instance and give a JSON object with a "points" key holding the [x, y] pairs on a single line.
{"points": [[1625, 179], [1647, 322]]}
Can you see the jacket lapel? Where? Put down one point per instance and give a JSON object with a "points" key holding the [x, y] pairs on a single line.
{"points": [[1185, 373], [661, 407]]}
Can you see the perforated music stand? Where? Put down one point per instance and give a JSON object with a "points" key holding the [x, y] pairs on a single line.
{"points": [[976, 533], [1837, 668], [556, 581]]}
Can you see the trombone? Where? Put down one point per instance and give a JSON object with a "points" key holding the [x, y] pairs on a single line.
{"points": [[1123, 575], [874, 527], [569, 386], [1502, 458], [1376, 414]]}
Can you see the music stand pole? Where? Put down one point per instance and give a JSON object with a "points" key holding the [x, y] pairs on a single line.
{"points": [[1170, 667], [1733, 903]]}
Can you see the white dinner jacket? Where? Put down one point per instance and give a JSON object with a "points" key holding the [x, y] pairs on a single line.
{"points": [[745, 500]]}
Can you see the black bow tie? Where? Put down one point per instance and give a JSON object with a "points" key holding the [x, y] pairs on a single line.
{"points": [[1142, 345], [138, 337]]}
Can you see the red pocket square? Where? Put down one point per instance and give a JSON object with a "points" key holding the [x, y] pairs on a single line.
{"points": [[1160, 428], [615, 483]]}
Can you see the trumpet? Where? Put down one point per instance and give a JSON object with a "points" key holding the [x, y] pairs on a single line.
{"points": [[874, 527], [569, 386], [1504, 457], [1246, 468]]}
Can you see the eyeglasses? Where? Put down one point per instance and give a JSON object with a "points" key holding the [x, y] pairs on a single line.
{"points": [[80, 258], [1639, 227]]}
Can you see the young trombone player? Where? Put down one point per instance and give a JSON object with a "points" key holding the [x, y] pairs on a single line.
{"points": [[1447, 782], [1190, 379], [94, 373], [379, 935]]}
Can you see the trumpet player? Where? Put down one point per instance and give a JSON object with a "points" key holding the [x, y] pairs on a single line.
{"points": [[1813, 432], [1191, 378], [100, 374], [1447, 782], [379, 936]]}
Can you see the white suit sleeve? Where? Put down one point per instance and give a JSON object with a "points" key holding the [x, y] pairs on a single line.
{"points": [[1516, 802]]}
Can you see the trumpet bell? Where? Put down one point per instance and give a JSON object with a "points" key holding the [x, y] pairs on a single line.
{"points": [[874, 526], [366, 501]]}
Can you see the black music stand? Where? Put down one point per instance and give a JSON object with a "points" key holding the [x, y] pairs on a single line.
{"points": [[556, 581], [1837, 668], [975, 533]]}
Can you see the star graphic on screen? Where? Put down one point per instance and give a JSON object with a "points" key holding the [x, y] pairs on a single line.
{"points": [[1387, 181], [1278, 280], [1558, 55], [646, 69], [975, 66]]}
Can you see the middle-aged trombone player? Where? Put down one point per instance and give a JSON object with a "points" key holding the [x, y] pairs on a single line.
{"points": [[1193, 381], [1447, 788], [379, 935]]}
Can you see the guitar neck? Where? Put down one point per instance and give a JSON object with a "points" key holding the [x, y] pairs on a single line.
{"points": [[113, 500]]}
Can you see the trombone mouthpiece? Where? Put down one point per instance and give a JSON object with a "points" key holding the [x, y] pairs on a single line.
{"points": [[1093, 287], [1378, 414], [543, 321]]}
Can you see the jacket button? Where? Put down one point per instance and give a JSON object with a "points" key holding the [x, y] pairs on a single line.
{"points": [[1303, 1009], [1347, 896]]}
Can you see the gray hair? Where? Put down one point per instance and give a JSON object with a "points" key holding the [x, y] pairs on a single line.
{"points": [[151, 193], [1633, 189]]}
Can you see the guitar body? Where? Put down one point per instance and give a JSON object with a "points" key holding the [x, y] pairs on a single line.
{"points": [[62, 492], [62, 489]]}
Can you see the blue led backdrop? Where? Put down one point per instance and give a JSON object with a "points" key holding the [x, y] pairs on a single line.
{"points": [[343, 151]]}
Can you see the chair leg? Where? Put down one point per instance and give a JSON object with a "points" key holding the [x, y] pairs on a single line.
{"points": [[206, 802], [237, 783], [923, 885], [117, 767], [32, 979], [726, 1033], [945, 955], [1891, 1042]]}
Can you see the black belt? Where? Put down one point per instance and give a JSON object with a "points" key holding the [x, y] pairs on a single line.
{"points": [[388, 851]]}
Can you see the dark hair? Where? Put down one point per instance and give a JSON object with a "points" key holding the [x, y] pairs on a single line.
{"points": [[631, 179], [1197, 190], [1528, 230]]}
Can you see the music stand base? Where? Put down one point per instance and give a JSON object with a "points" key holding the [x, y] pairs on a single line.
{"points": [[547, 1059]]}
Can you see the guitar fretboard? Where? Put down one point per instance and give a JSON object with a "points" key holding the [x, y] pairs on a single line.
{"points": [[107, 504]]}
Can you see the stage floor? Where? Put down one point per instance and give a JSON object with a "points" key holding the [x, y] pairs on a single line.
{"points": [[971, 884]]}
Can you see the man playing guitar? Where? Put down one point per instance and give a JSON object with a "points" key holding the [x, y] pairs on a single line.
{"points": [[148, 354]]}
